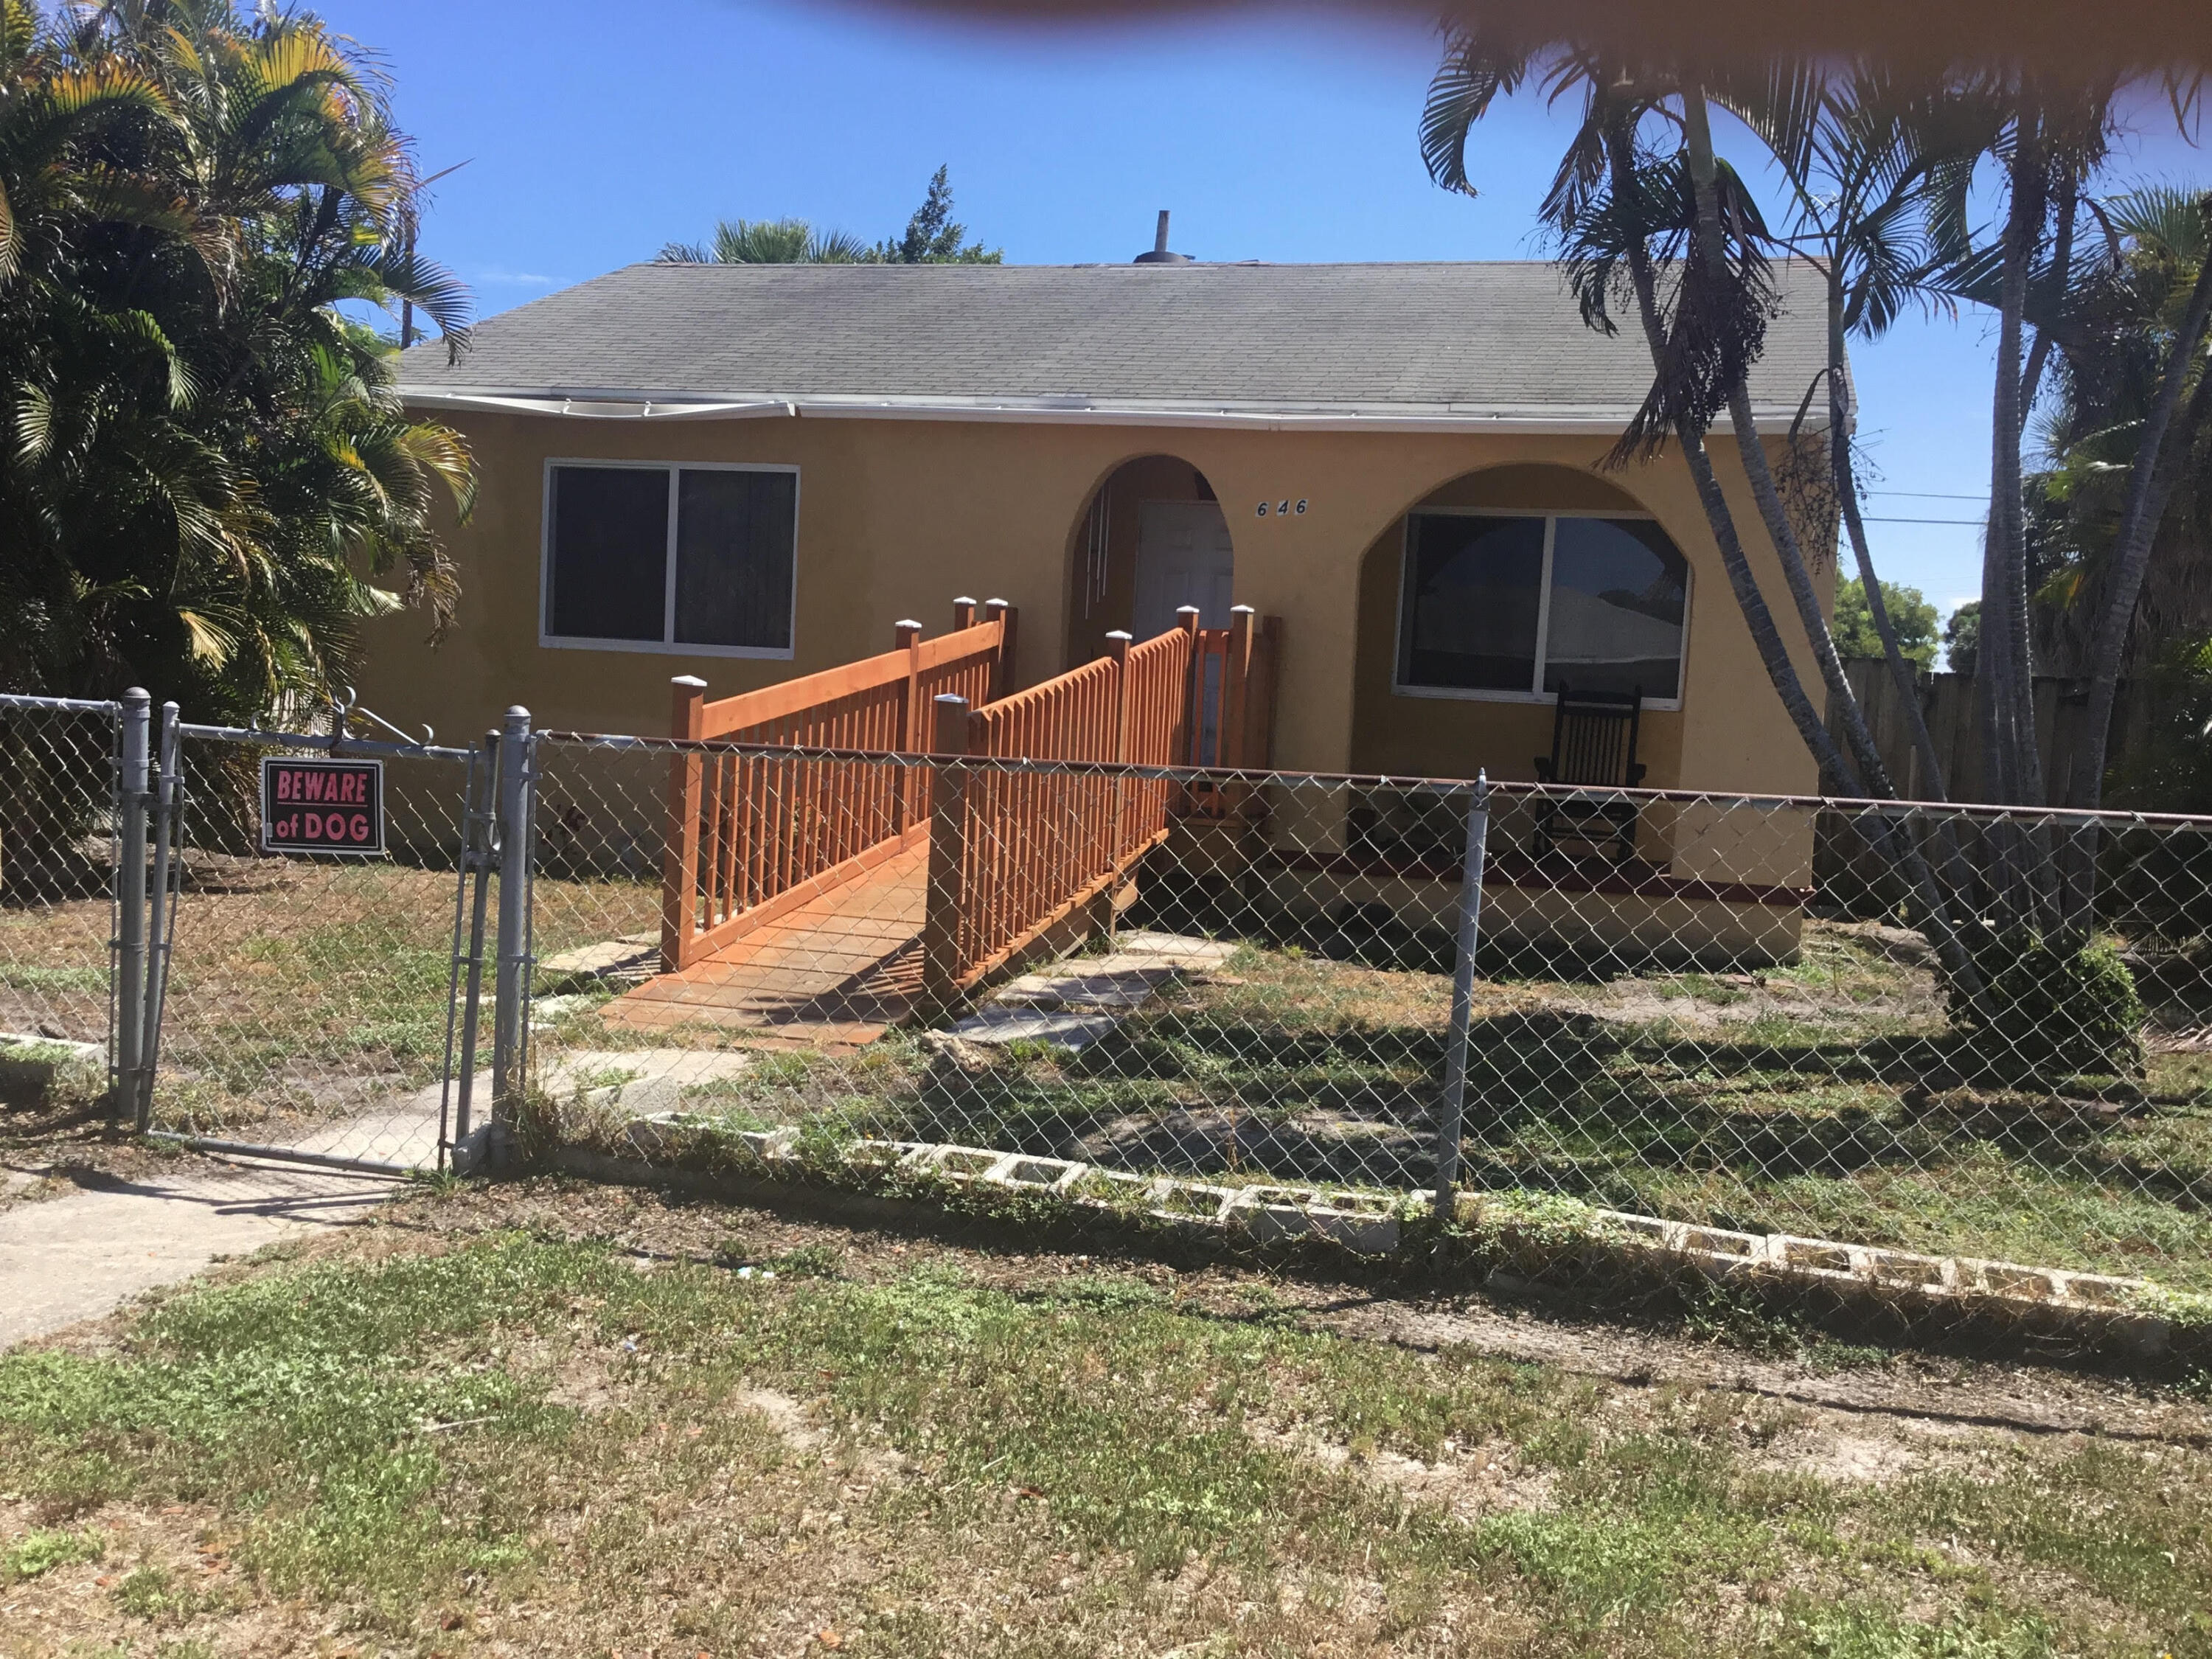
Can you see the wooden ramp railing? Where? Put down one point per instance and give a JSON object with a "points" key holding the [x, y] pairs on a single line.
{"points": [[1232, 688], [752, 837], [1013, 855]]}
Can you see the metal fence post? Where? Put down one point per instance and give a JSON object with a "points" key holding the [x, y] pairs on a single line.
{"points": [[131, 907], [1451, 1114], [511, 984], [167, 804], [461, 1148]]}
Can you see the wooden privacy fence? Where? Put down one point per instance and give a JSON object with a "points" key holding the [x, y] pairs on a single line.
{"points": [[1950, 703], [1845, 868], [1013, 856], [752, 837]]}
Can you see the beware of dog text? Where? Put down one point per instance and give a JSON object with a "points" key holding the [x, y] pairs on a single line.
{"points": [[321, 806]]}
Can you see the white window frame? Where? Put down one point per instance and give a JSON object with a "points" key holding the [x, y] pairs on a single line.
{"points": [[1535, 694], [667, 645]]}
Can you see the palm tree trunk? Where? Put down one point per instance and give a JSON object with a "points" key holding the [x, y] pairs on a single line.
{"points": [[1697, 137], [1765, 637], [1892, 843], [2148, 486], [1874, 772], [2009, 701], [1933, 784], [2061, 266]]}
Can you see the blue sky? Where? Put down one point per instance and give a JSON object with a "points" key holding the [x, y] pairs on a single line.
{"points": [[594, 134]]}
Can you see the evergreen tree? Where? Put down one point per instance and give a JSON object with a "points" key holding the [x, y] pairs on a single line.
{"points": [[1909, 614], [933, 236]]}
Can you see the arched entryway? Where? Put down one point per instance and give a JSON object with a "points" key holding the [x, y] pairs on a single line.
{"points": [[1151, 540]]}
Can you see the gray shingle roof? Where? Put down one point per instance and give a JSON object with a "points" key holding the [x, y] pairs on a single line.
{"points": [[1422, 340]]}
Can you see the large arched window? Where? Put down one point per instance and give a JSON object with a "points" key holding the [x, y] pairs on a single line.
{"points": [[1511, 607]]}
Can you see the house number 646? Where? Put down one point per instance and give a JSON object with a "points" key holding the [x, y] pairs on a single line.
{"points": [[1283, 509]]}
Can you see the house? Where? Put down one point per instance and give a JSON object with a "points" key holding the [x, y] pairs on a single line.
{"points": [[747, 473]]}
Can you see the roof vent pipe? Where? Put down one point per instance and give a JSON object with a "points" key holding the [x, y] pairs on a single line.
{"points": [[1159, 255]]}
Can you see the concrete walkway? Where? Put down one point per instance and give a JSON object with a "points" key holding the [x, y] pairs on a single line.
{"points": [[85, 1253]]}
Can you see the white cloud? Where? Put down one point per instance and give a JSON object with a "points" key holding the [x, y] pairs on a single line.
{"points": [[512, 278]]}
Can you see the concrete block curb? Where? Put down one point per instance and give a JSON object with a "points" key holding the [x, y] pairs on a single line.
{"points": [[30, 1065], [2122, 1310], [2114, 1306]]}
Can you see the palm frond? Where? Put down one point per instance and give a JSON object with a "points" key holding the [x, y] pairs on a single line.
{"points": [[835, 247], [406, 275], [2175, 220], [210, 642], [761, 241], [1475, 72], [1786, 103]]}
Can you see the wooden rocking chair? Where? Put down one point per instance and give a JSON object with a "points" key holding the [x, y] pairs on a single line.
{"points": [[1594, 748]]}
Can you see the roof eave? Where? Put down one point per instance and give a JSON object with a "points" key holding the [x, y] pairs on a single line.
{"points": [[605, 403]]}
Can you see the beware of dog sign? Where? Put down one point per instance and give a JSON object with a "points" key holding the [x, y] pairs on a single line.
{"points": [[321, 806]]}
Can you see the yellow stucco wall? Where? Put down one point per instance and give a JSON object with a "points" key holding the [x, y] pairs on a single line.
{"points": [[897, 517]]}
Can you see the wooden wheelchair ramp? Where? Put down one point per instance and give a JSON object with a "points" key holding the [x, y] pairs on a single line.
{"points": [[836, 971], [824, 883]]}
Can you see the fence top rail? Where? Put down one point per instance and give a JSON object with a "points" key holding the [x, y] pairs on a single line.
{"points": [[57, 705], [1061, 686], [969, 642], [1446, 788], [376, 747], [1169, 644], [1044, 691], [788, 697]]}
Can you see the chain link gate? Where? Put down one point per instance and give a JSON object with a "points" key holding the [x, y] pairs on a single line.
{"points": [[161, 965], [59, 918], [311, 1007]]}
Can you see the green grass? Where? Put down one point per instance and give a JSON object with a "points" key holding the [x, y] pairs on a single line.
{"points": [[384, 1441], [91, 980], [41, 1551]]}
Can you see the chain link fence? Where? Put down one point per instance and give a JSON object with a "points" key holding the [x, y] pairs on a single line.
{"points": [[1954, 1048], [57, 857], [1855, 1037]]}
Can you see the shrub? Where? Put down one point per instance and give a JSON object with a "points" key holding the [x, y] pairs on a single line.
{"points": [[2056, 1007]]}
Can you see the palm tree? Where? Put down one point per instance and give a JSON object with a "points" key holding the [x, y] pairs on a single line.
{"points": [[1865, 154], [1616, 208], [1681, 228], [769, 242], [2168, 231], [2048, 142], [208, 470]]}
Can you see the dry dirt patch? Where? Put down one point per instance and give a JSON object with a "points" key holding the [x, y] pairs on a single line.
{"points": [[1470, 1481]]}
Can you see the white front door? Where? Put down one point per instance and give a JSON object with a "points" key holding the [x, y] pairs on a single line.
{"points": [[1183, 557]]}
